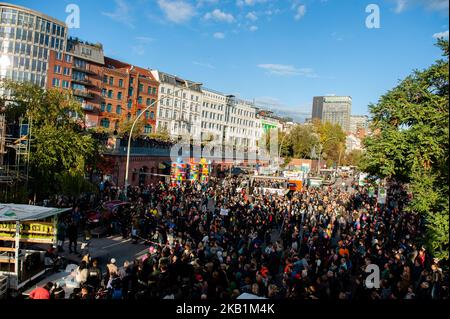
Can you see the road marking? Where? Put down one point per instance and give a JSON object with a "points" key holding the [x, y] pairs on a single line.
{"points": [[116, 244]]}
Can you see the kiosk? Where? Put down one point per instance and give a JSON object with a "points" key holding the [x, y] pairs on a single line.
{"points": [[22, 226]]}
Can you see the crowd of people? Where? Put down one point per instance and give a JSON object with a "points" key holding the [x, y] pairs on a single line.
{"points": [[219, 240]]}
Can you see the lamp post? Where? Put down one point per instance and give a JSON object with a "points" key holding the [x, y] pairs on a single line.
{"points": [[127, 167]]}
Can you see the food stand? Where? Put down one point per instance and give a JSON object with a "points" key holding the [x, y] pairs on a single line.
{"points": [[20, 227]]}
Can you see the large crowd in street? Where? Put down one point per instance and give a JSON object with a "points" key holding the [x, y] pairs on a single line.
{"points": [[219, 240]]}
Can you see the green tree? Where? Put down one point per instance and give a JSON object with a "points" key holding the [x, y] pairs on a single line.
{"points": [[302, 139], [332, 141], [59, 146], [125, 127], [410, 144]]}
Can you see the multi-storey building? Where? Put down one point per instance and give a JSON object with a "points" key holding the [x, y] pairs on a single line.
{"points": [[358, 122], [333, 109], [27, 37], [242, 127], [110, 91], [213, 115], [78, 69], [179, 105]]}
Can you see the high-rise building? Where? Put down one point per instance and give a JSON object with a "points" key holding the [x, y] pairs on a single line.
{"points": [[333, 109], [27, 36], [358, 122]]}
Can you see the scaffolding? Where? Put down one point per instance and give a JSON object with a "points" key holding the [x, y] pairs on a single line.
{"points": [[14, 156]]}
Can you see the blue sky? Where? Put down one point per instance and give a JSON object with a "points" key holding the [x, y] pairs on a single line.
{"points": [[283, 52]]}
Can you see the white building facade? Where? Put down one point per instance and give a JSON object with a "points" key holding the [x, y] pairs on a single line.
{"points": [[213, 110], [179, 106]]}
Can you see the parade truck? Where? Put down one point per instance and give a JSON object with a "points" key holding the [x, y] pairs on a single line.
{"points": [[25, 233]]}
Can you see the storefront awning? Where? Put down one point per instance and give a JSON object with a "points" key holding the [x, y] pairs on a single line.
{"points": [[18, 212]]}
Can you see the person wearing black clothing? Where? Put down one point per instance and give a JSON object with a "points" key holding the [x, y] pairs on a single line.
{"points": [[94, 275], [72, 233]]}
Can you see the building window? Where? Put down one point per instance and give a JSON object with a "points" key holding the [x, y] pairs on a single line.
{"points": [[105, 79], [104, 123], [140, 100], [68, 58], [104, 92], [55, 82], [130, 103], [65, 84], [111, 80], [153, 102], [110, 94], [59, 56], [138, 112], [148, 129], [141, 88], [152, 115], [120, 83], [109, 108], [119, 95], [103, 106], [131, 81], [147, 114], [148, 102], [118, 109], [67, 71], [57, 69]]}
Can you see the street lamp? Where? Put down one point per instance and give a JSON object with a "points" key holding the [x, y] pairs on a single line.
{"points": [[134, 124]]}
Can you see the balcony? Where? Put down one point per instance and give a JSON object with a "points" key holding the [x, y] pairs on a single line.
{"points": [[84, 70], [83, 81], [84, 94], [88, 107]]}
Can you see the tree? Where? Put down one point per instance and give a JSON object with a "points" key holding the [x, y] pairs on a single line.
{"points": [[161, 135], [303, 139], [411, 145], [125, 127], [59, 146], [332, 141], [353, 158]]}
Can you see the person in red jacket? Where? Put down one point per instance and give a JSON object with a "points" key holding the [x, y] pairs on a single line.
{"points": [[42, 293]]}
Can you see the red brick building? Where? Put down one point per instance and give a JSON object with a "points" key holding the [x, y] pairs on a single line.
{"points": [[110, 91]]}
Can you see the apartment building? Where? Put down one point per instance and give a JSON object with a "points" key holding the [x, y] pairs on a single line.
{"points": [[110, 91], [179, 106], [213, 110]]}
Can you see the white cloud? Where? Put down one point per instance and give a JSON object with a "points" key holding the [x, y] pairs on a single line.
{"points": [[253, 28], [300, 12], [439, 35], [288, 70], [121, 14], [220, 16], [201, 3], [252, 16], [219, 35], [178, 11], [141, 43], [206, 65], [433, 5], [242, 3], [144, 39]]}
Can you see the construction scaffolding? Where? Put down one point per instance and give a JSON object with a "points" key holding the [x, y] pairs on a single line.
{"points": [[14, 156]]}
